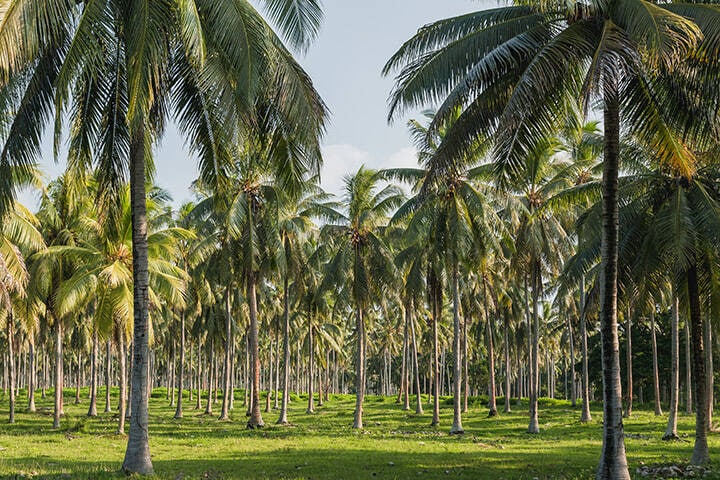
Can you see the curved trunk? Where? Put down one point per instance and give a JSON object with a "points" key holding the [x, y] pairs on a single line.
{"points": [[137, 455], [228, 349], [32, 381], [181, 372], [255, 420], [700, 455], [360, 369], [416, 365], [671, 430], [58, 410], [457, 427], [656, 373], [613, 461], [122, 404], [283, 420]]}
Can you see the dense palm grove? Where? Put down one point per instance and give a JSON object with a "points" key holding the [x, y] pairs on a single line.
{"points": [[532, 253]]}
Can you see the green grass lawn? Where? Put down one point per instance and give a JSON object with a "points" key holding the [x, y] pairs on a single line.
{"points": [[394, 444]]}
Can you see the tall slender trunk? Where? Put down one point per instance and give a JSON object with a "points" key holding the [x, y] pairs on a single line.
{"points": [[92, 409], [276, 391], [210, 370], [77, 378], [492, 401], [629, 364], [585, 415], [108, 373], [122, 404], [656, 372], [11, 365], [255, 420], [270, 377], [283, 419], [671, 430], [534, 425], [466, 371], [688, 370], [32, 380], [137, 455], [198, 397], [709, 372], [224, 410], [311, 366], [571, 343], [58, 410], [456, 427], [403, 394], [360, 368], [700, 455], [181, 373], [436, 358], [416, 366], [129, 377], [506, 334], [613, 461]]}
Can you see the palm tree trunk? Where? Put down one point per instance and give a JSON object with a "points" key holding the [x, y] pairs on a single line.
{"points": [[613, 461], [108, 372], [709, 372], [210, 370], [360, 368], [506, 332], [456, 427], [137, 455], [416, 366], [58, 410], [311, 367], [32, 380], [656, 372], [11, 366], [492, 401], [255, 420], [181, 373], [283, 420], [77, 378], [534, 425], [122, 404], [571, 343], [585, 416], [700, 454], [198, 397], [466, 371], [276, 390], [403, 392], [92, 409], [688, 370], [671, 430], [224, 410], [629, 363], [436, 361]]}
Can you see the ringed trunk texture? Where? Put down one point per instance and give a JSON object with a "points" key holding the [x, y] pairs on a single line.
{"points": [[700, 455], [585, 416], [671, 430], [360, 369], [122, 404], [629, 362], [613, 462], [137, 455]]}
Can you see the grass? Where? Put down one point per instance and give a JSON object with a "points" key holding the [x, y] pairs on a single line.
{"points": [[394, 444]]}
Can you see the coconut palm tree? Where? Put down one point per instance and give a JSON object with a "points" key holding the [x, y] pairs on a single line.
{"points": [[118, 69], [512, 69], [361, 262]]}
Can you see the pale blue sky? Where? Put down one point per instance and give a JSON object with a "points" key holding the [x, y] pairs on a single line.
{"points": [[345, 62]]}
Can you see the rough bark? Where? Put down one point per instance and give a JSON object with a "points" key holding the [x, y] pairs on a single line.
{"points": [[492, 400], [137, 455], [283, 419], [255, 420], [613, 462], [629, 365], [122, 404], [534, 425], [688, 371]]}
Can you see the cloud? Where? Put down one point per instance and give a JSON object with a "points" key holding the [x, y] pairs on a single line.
{"points": [[341, 160]]}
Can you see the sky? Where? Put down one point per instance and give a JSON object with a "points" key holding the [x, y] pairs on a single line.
{"points": [[345, 63]]}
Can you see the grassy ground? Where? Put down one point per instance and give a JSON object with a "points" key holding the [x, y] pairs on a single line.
{"points": [[394, 444]]}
